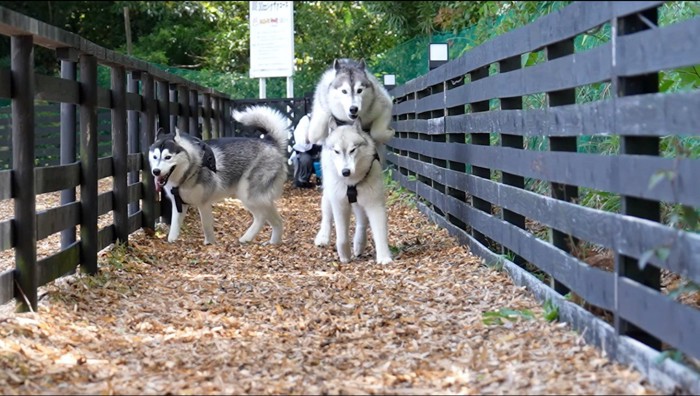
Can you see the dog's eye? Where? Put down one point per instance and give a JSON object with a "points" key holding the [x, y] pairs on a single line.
{"points": [[353, 150], [155, 157], [359, 90], [167, 157], [345, 91], [337, 151]]}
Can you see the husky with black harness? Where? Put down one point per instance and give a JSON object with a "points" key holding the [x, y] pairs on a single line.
{"points": [[200, 173], [352, 179]]}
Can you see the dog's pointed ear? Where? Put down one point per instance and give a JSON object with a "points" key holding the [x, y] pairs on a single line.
{"points": [[159, 132], [362, 65], [332, 124], [178, 134], [336, 64]]}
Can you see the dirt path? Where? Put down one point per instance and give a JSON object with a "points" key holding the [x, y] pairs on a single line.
{"points": [[187, 319]]}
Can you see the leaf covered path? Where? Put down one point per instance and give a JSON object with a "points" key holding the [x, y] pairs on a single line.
{"points": [[185, 318]]}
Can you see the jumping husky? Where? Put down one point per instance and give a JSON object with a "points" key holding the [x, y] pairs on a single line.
{"points": [[348, 91], [200, 173], [352, 177]]}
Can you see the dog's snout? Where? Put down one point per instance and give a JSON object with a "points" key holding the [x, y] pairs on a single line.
{"points": [[156, 172], [353, 110], [346, 172]]}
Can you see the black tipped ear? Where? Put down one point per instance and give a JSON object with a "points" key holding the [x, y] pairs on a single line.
{"points": [[336, 64], [332, 124], [362, 64], [159, 132]]}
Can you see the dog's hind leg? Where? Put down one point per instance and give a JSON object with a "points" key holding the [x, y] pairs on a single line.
{"points": [[205, 214], [275, 221], [341, 217], [324, 234], [378, 222], [176, 221], [359, 243], [254, 229]]}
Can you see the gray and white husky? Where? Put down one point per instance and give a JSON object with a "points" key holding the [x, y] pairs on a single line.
{"points": [[200, 173], [348, 91], [352, 178]]}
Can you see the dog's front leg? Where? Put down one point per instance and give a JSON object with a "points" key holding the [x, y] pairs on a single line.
{"points": [[378, 222], [341, 217], [324, 233], [176, 221], [318, 126], [381, 131], [207, 217], [359, 243]]}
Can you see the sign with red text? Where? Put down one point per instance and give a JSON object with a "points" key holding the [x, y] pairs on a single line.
{"points": [[271, 39]]}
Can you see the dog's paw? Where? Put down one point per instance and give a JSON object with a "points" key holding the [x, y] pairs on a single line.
{"points": [[172, 239], [244, 240], [321, 240], [384, 260], [212, 242]]}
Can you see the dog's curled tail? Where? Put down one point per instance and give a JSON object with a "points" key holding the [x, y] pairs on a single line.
{"points": [[270, 120]]}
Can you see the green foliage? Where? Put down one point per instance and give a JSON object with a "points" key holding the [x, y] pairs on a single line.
{"points": [[512, 315], [551, 311]]}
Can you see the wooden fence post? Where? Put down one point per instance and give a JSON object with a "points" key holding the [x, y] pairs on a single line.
{"points": [[482, 139], [626, 266], [88, 164], [172, 98], [194, 114], [183, 119], [69, 71], [164, 123], [514, 141], [148, 128], [22, 65], [132, 86], [206, 117], [119, 154]]}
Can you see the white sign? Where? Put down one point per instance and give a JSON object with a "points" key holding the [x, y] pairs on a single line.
{"points": [[271, 39]]}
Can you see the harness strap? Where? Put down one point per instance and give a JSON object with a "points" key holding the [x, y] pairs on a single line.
{"points": [[352, 190], [175, 191]]}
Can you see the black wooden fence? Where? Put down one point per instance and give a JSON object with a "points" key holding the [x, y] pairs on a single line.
{"points": [[85, 133], [463, 146]]}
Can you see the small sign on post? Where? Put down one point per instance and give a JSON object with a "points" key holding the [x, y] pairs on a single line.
{"points": [[272, 41], [438, 55]]}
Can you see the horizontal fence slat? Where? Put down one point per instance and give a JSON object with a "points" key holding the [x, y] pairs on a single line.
{"points": [[673, 46], [7, 286], [135, 221], [5, 184], [59, 264], [675, 323], [58, 177], [649, 115], [104, 167], [7, 240], [566, 72], [105, 237], [57, 219], [105, 202], [430, 103], [432, 126], [56, 89], [600, 172], [134, 192], [628, 235]]}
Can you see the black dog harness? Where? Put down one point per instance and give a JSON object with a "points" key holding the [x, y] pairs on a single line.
{"points": [[352, 190], [208, 161]]}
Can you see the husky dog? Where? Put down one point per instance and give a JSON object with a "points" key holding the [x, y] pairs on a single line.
{"points": [[200, 173], [345, 93], [348, 91], [352, 177]]}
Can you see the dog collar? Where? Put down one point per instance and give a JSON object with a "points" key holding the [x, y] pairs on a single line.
{"points": [[340, 122], [352, 190]]}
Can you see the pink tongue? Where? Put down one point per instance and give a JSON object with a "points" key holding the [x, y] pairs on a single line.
{"points": [[158, 186]]}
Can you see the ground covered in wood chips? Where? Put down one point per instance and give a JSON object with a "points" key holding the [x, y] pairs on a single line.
{"points": [[185, 318]]}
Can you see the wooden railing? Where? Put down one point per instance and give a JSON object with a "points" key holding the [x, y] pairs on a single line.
{"points": [[141, 99], [464, 146]]}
